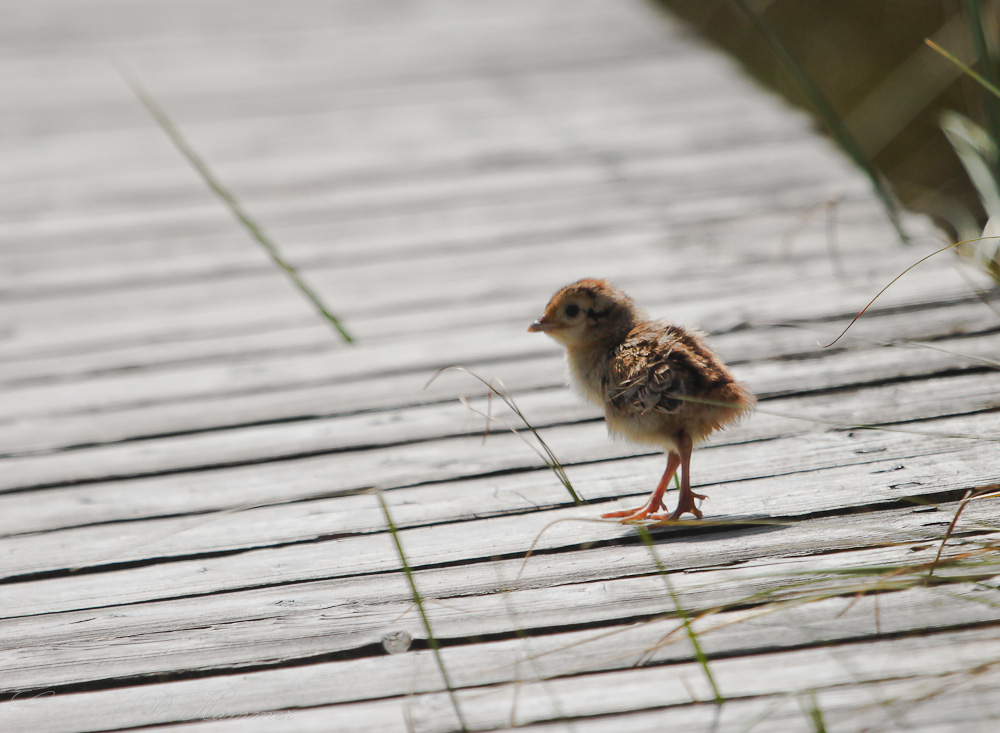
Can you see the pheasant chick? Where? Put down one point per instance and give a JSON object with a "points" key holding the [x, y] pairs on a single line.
{"points": [[658, 383]]}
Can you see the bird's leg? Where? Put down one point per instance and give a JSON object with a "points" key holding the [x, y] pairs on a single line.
{"points": [[686, 501], [655, 502]]}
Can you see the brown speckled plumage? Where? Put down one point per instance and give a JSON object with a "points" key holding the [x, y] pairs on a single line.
{"points": [[658, 383]]}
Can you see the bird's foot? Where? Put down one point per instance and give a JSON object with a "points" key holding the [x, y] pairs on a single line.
{"points": [[685, 506], [636, 514]]}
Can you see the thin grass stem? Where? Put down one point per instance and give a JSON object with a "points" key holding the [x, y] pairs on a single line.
{"points": [[160, 115], [902, 344], [815, 714], [531, 660], [969, 495], [432, 642], [692, 635], [967, 69], [893, 281], [546, 454]]}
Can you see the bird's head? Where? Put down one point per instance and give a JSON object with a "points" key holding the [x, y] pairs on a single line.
{"points": [[587, 311]]}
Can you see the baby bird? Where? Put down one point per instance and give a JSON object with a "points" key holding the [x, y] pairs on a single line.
{"points": [[658, 383]]}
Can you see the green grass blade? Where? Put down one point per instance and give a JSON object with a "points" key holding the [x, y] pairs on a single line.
{"points": [[692, 635], [251, 226], [546, 453], [989, 65], [968, 70], [815, 715], [890, 284], [825, 110], [419, 602]]}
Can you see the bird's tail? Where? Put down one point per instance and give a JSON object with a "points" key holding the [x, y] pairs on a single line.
{"points": [[739, 402]]}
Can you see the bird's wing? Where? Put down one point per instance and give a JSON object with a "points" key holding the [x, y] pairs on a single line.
{"points": [[647, 376]]}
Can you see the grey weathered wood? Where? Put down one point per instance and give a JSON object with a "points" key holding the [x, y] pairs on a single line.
{"points": [[571, 653], [797, 448], [460, 278], [46, 432], [272, 336], [761, 499], [469, 604], [284, 372], [859, 699], [255, 443], [435, 171]]}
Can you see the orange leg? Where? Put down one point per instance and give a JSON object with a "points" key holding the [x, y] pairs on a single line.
{"points": [[655, 502], [686, 501]]}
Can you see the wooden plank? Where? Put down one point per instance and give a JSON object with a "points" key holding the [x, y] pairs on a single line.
{"points": [[576, 446], [276, 203], [47, 432], [288, 519], [274, 334], [427, 354], [390, 50], [430, 267], [406, 234], [294, 622], [874, 704], [913, 703], [637, 113], [296, 439], [391, 324], [570, 654], [293, 96], [776, 497], [172, 307]]}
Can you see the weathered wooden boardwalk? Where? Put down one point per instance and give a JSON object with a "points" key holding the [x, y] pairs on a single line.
{"points": [[188, 532]]}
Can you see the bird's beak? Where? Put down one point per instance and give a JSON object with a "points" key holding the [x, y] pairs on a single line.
{"points": [[543, 324]]}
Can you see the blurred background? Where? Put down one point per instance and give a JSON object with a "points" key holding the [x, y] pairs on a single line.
{"points": [[917, 118]]}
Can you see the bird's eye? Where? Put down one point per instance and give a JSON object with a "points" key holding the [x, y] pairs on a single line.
{"points": [[572, 310]]}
